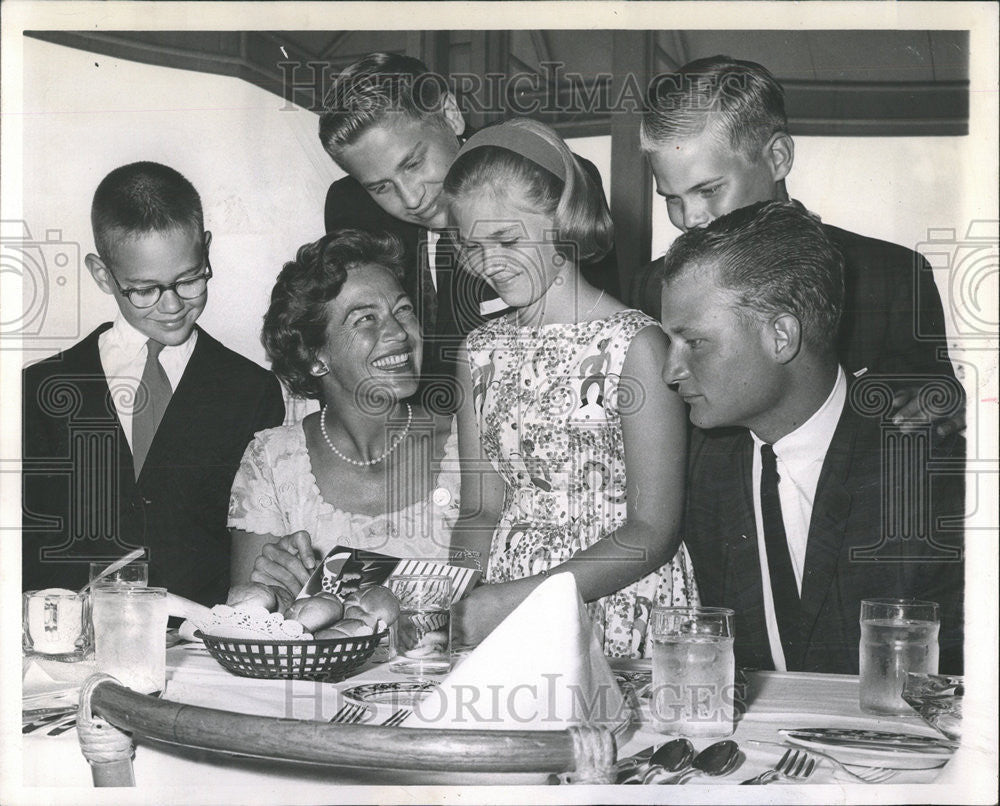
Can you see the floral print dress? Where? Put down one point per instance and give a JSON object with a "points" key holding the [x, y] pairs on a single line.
{"points": [[549, 413]]}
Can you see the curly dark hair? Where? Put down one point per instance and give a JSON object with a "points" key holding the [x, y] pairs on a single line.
{"points": [[296, 320]]}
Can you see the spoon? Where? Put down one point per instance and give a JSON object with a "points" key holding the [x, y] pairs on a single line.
{"points": [[716, 759], [673, 756], [132, 555]]}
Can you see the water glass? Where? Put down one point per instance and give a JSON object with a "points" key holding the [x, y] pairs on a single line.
{"points": [[133, 575], [897, 636], [693, 690], [130, 627], [56, 624], [420, 640]]}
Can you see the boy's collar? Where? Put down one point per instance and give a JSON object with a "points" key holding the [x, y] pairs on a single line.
{"points": [[128, 337]]}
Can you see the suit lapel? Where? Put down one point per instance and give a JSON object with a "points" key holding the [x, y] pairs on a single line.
{"points": [[743, 572], [91, 367], [99, 406], [745, 568], [827, 526]]}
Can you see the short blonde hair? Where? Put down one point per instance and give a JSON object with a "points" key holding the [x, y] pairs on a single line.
{"points": [[556, 184], [740, 100]]}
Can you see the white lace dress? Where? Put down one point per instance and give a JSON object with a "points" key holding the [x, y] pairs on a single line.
{"points": [[275, 492]]}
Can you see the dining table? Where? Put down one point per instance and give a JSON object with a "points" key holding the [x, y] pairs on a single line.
{"points": [[55, 771]]}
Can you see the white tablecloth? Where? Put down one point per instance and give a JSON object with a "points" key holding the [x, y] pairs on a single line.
{"points": [[55, 771]]}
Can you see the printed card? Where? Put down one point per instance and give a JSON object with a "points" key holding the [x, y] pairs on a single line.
{"points": [[345, 570]]}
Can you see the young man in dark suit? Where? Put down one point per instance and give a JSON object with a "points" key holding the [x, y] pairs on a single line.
{"points": [[394, 127], [803, 497], [716, 136], [132, 437]]}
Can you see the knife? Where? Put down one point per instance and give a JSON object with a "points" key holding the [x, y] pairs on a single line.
{"points": [[35, 713], [869, 739]]}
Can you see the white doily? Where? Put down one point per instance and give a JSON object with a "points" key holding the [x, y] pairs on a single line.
{"points": [[252, 621]]}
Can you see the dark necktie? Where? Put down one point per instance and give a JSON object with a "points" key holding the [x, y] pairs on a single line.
{"points": [[784, 592], [151, 398], [460, 292], [428, 293]]}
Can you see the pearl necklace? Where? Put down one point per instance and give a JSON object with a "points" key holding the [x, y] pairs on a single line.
{"points": [[385, 454]]}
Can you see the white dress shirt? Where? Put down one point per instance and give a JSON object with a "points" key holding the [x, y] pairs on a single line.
{"points": [[123, 358], [800, 457]]}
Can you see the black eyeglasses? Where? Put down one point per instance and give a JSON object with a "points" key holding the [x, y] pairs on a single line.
{"points": [[149, 295]]}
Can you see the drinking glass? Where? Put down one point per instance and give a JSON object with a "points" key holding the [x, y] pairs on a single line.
{"points": [[420, 640], [693, 691], [133, 575], [56, 624], [130, 636], [897, 636]]}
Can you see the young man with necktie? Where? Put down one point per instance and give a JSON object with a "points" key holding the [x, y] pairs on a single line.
{"points": [[132, 437], [802, 497], [395, 129]]}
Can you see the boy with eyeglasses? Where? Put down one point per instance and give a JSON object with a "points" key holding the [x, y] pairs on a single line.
{"points": [[132, 437]]}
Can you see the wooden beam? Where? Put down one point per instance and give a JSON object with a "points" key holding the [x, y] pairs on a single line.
{"points": [[432, 48], [489, 55], [631, 178]]}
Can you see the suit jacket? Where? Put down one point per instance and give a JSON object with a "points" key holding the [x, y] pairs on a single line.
{"points": [[81, 500], [890, 297], [845, 559]]}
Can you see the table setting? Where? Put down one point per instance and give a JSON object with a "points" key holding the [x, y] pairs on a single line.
{"points": [[638, 722]]}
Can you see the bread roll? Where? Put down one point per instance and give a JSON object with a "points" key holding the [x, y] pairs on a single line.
{"points": [[346, 628], [316, 612], [381, 603], [253, 593], [358, 613]]}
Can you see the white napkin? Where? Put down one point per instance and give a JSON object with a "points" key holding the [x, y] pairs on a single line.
{"points": [[540, 669], [47, 682]]}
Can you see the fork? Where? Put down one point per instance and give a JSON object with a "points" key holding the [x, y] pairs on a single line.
{"points": [[350, 714], [868, 775], [397, 718], [795, 765]]}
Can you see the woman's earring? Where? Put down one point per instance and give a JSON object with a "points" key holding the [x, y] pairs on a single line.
{"points": [[319, 369]]}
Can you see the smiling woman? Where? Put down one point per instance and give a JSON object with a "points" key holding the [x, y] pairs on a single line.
{"points": [[370, 470]]}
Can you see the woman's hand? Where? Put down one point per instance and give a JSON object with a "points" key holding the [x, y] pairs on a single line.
{"points": [[478, 613], [286, 564]]}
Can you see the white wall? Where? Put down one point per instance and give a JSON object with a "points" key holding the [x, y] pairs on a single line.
{"points": [[261, 173]]}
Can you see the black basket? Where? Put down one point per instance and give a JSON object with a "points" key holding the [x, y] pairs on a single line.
{"points": [[330, 660]]}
